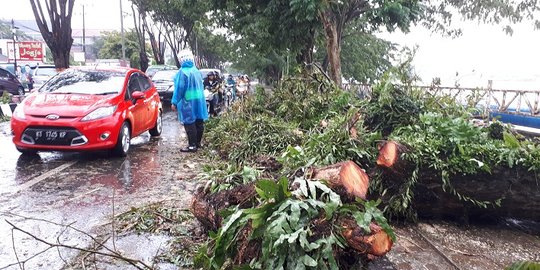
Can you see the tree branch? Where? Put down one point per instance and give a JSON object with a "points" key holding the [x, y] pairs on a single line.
{"points": [[136, 263]]}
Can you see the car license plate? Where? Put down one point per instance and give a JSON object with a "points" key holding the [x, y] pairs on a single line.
{"points": [[50, 135]]}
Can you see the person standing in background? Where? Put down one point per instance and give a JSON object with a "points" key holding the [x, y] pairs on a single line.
{"points": [[188, 99], [29, 78]]}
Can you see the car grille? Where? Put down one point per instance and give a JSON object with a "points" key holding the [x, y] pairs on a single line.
{"points": [[56, 136], [61, 117], [162, 88]]}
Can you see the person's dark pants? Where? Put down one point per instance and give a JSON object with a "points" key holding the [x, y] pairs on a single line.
{"points": [[220, 97], [213, 104], [195, 132]]}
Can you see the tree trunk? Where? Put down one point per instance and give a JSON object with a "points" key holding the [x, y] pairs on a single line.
{"points": [[157, 48], [517, 189], [61, 57], [139, 17], [389, 157], [333, 48], [58, 38], [345, 178]]}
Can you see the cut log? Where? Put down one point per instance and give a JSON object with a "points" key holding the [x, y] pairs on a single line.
{"points": [[344, 175], [389, 154], [375, 243]]}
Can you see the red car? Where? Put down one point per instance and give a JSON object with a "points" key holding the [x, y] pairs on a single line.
{"points": [[88, 109]]}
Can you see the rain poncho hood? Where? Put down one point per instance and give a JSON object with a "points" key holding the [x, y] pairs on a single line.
{"points": [[188, 95]]}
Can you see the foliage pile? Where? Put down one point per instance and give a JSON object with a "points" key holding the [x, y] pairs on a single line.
{"points": [[5, 98], [164, 218], [268, 123], [308, 122], [296, 229]]}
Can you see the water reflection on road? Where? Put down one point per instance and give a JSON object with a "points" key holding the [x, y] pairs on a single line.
{"points": [[81, 188]]}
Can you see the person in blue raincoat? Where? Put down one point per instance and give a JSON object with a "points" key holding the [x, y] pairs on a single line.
{"points": [[188, 99]]}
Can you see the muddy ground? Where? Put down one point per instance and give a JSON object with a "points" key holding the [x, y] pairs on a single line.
{"points": [[43, 194]]}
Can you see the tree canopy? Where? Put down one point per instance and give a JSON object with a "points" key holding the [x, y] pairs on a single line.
{"points": [[295, 24], [111, 47]]}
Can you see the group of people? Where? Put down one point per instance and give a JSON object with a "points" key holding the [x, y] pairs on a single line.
{"points": [[189, 101], [25, 76], [218, 85]]}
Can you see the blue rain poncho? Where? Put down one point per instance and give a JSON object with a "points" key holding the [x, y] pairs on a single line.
{"points": [[188, 95]]}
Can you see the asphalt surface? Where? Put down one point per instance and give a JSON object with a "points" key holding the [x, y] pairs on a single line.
{"points": [[81, 189], [44, 193]]}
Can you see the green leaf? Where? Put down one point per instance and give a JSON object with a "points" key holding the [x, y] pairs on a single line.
{"points": [[524, 266], [361, 220], [510, 140], [267, 189], [308, 261]]}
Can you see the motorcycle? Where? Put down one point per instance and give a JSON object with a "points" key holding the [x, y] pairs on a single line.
{"points": [[242, 89], [228, 94], [211, 96]]}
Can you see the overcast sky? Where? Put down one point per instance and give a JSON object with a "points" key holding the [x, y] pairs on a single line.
{"points": [[483, 52]]}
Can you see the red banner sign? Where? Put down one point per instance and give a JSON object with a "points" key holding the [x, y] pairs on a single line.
{"points": [[30, 50]]}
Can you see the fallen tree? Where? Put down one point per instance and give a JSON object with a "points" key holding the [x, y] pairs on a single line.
{"points": [[501, 193], [433, 162], [308, 219]]}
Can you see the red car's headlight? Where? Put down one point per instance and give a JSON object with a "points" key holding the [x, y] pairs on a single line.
{"points": [[99, 113], [19, 112]]}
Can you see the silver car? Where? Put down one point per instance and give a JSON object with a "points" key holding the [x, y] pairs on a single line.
{"points": [[164, 82], [42, 74]]}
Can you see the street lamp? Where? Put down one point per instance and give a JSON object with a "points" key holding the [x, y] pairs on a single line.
{"points": [[14, 31]]}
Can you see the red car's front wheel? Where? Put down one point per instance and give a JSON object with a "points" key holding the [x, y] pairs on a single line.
{"points": [[123, 142], [156, 130]]}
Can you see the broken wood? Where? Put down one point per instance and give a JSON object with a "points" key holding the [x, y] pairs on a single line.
{"points": [[389, 154], [375, 243], [345, 178]]}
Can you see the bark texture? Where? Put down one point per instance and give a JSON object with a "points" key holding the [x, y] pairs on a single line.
{"points": [[517, 189], [58, 36]]}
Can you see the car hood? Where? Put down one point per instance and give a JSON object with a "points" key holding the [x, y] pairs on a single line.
{"points": [[74, 105]]}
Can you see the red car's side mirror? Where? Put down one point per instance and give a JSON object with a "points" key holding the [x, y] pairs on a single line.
{"points": [[137, 95]]}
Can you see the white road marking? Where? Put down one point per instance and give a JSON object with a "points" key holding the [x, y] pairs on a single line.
{"points": [[44, 176]]}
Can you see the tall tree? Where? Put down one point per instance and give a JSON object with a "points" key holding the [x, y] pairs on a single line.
{"points": [[365, 57], [154, 30], [139, 15], [176, 18], [56, 31]]}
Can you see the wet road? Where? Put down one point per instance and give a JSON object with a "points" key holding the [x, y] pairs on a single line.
{"points": [[81, 188]]}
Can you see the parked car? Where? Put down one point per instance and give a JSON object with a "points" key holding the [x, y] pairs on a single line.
{"points": [[43, 73], [151, 70], [9, 67], [10, 83], [164, 82], [88, 109]]}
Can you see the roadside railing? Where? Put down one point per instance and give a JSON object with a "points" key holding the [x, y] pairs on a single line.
{"points": [[520, 102]]}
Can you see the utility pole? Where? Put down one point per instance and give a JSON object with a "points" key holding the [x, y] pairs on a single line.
{"points": [[122, 32], [14, 31], [83, 34]]}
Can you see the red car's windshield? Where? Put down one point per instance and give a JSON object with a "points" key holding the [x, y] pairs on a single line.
{"points": [[88, 82]]}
